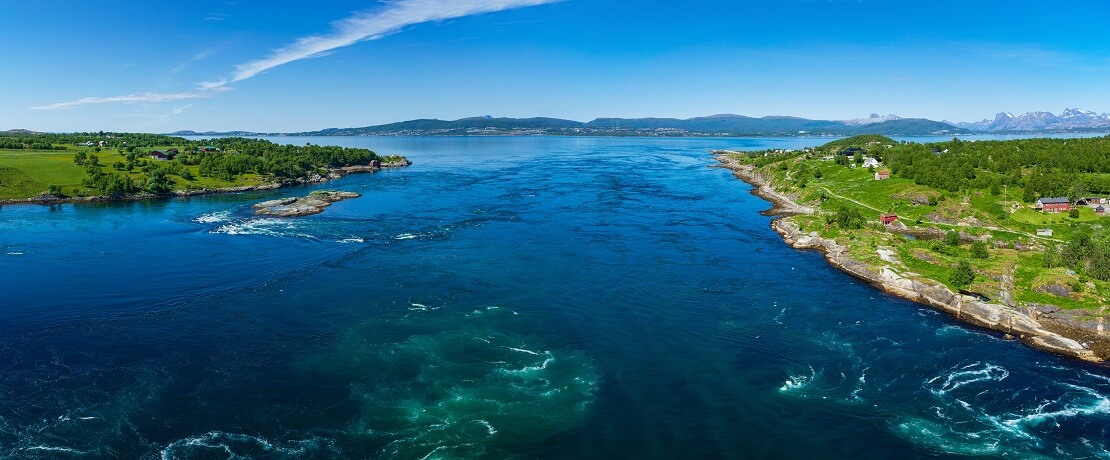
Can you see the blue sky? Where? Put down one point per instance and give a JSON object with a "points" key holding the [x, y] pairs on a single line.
{"points": [[289, 66]]}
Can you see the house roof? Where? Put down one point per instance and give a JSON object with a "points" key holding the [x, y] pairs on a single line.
{"points": [[1054, 201]]}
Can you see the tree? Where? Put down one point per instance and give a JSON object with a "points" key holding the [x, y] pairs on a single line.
{"points": [[952, 238], [54, 190], [962, 276], [847, 218], [1074, 213], [1028, 195], [159, 183], [979, 250]]}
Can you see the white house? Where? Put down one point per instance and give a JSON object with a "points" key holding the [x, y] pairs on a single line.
{"points": [[871, 163]]}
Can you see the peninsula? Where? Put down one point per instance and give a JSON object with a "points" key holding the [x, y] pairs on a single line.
{"points": [[53, 168], [1007, 235]]}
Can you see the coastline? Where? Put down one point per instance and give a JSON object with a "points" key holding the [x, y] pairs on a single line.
{"points": [[1044, 327], [333, 173]]}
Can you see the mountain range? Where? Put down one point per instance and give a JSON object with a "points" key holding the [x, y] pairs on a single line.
{"points": [[1068, 120], [1071, 120], [715, 125]]}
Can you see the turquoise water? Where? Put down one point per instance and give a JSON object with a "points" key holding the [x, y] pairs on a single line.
{"points": [[525, 297]]}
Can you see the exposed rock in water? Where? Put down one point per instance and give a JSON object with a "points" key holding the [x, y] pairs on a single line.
{"points": [[314, 203]]}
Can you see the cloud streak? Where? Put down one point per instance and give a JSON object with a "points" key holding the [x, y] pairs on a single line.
{"points": [[388, 19], [129, 99]]}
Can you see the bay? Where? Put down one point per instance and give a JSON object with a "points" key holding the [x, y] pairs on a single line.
{"points": [[520, 297]]}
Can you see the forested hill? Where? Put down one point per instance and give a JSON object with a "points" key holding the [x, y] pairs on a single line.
{"points": [[1041, 167], [716, 125]]}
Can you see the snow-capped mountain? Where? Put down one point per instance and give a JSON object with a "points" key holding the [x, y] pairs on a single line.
{"points": [[874, 118], [1070, 119]]}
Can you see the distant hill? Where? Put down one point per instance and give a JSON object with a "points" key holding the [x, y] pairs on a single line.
{"points": [[221, 133], [18, 132], [716, 125], [863, 141]]}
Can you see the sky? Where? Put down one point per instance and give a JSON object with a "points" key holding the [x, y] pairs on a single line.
{"points": [[284, 66]]}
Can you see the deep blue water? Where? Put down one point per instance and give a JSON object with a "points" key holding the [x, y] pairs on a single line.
{"points": [[524, 297]]}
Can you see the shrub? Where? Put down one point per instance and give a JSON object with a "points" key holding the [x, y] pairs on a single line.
{"points": [[979, 250], [952, 238], [962, 276]]}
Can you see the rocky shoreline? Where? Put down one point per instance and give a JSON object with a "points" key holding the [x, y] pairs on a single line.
{"points": [[334, 173], [1069, 333]]}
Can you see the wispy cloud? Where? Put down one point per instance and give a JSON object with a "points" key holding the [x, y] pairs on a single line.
{"points": [[131, 99], [390, 18]]}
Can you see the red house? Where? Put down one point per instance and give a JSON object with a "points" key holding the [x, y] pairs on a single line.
{"points": [[888, 218], [1053, 205], [882, 175]]}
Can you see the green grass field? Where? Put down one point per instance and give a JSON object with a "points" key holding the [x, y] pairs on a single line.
{"points": [[976, 212], [28, 173]]}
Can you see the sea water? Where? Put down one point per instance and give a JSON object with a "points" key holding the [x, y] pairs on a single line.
{"points": [[519, 297]]}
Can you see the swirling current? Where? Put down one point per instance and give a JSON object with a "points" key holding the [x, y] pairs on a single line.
{"points": [[517, 297]]}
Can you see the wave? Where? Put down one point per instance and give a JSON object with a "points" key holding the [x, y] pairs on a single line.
{"points": [[265, 227], [799, 381], [966, 375], [235, 445], [213, 217]]}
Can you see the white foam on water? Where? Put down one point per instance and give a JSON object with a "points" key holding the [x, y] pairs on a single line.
{"points": [[265, 227], [778, 318], [939, 437], [13, 253], [228, 442], [531, 369], [1096, 405], [406, 236], [521, 350], [213, 217], [350, 240], [952, 329], [489, 427], [966, 375], [799, 382], [43, 448]]}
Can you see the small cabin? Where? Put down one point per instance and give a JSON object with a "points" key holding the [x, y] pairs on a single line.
{"points": [[888, 219], [1044, 232], [1100, 210], [882, 175], [158, 155], [1053, 204]]}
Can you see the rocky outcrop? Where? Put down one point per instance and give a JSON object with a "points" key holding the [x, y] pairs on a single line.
{"points": [[314, 203]]}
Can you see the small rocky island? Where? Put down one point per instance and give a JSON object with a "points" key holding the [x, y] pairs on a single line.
{"points": [[314, 203]]}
